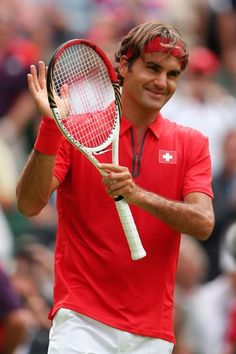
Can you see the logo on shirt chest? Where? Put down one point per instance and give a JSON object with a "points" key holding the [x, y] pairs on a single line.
{"points": [[167, 156]]}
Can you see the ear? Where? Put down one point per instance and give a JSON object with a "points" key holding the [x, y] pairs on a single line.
{"points": [[123, 65]]}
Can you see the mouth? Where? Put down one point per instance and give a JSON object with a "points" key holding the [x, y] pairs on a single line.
{"points": [[155, 94]]}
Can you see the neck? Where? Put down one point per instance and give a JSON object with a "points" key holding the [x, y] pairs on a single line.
{"points": [[141, 119]]}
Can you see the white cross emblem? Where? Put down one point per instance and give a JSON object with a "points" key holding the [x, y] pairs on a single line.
{"points": [[167, 156]]}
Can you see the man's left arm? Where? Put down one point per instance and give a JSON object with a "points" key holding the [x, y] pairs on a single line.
{"points": [[194, 216]]}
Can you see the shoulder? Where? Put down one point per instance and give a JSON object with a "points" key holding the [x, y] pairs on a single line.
{"points": [[184, 132], [190, 143], [65, 151]]}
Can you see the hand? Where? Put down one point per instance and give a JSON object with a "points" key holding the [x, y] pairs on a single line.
{"points": [[38, 88], [119, 181]]}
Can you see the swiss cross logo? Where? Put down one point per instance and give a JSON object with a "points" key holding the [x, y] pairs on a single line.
{"points": [[166, 156]]}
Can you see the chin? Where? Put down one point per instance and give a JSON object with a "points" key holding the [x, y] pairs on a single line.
{"points": [[154, 104], [154, 107]]}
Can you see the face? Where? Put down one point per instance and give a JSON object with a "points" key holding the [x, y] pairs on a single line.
{"points": [[150, 82]]}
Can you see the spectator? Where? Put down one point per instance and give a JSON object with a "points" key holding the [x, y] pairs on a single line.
{"points": [[33, 279], [220, 37], [13, 328], [202, 103], [191, 273], [211, 307], [8, 178], [224, 187], [16, 106]]}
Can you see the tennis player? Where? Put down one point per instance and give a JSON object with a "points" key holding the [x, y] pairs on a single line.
{"points": [[104, 302]]}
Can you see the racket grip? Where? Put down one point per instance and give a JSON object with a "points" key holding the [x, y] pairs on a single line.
{"points": [[130, 230]]}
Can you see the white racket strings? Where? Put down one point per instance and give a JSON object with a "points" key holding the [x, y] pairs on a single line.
{"points": [[87, 107]]}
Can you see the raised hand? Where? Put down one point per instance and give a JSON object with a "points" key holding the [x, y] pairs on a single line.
{"points": [[38, 88]]}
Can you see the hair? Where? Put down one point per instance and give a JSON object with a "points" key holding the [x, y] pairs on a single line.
{"points": [[139, 36]]}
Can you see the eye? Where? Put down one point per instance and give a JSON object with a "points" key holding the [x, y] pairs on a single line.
{"points": [[153, 67], [174, 74]]}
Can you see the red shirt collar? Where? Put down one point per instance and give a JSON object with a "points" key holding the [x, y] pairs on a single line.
{"points": [[156, 127]]}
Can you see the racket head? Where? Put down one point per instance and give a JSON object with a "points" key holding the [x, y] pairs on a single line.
{"points": [[84, 94]]}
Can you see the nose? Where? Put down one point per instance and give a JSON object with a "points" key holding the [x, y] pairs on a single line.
{"points": [[160, 80]]}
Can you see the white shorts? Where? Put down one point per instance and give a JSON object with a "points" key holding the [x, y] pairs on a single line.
{"points": [[73, 333]]}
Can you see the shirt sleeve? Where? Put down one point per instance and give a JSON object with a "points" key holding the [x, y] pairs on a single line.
{"points": [[63, 160], [198, 176]]}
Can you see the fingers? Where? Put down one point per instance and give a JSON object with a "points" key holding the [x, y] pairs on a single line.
{"points": [[34, 81], [118, 188], [114, 173], [126, 188], [38, 88], [64, 91], [37, 78], [112, 168], [118, 180], [31, 85], [42, 74]]}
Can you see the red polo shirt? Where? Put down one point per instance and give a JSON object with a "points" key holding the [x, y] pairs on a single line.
{"points": [[95, 275]]}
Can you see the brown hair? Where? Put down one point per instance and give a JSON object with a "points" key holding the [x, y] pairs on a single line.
{"points": [[140, 35]]}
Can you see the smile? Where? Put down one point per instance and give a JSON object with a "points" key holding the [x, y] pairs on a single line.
{"points": [[155, 94]]}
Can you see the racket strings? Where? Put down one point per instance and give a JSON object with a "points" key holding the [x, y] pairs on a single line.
{"points": [[86, 95]]}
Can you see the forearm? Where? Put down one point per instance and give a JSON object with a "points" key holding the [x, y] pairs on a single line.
{"points": [[35, 184], [187, 218], [194, 216]]}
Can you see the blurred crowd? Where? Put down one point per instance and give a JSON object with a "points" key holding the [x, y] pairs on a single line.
{"points": [[30, 30]]}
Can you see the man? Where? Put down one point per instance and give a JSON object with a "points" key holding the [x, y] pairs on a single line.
{"points": [[103, 301]]}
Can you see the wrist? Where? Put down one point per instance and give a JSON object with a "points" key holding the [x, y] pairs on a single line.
{"points": [[49, 137]]}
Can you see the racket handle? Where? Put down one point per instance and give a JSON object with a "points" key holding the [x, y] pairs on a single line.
{"points": [[130, 230]]}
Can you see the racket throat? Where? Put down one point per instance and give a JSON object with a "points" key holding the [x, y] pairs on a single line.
{"points": [[101, 151]]}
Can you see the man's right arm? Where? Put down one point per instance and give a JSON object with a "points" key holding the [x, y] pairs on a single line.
{"points": [[36, 183]]}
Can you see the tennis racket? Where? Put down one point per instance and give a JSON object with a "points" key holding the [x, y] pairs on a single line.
{"points": [[84, 95]]}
